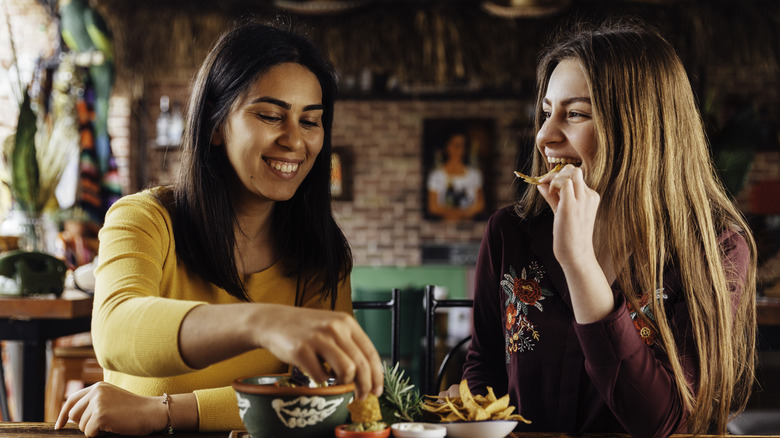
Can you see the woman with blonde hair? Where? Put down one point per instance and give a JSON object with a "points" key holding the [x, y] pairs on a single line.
{"points": [[618, 295]]}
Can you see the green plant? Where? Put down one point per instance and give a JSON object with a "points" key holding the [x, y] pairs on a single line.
{"points": [[400, 400], [45, 141], [36, 158]]}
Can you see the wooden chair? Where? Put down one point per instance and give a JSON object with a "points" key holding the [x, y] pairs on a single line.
{"points": [[432, 381], [68, 364]]}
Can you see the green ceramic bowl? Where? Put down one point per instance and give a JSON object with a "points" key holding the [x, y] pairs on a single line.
{"points": [[271, 411]]}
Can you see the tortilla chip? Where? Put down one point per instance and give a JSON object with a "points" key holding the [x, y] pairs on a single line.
{"points": [[366, 410], [469, 407], [535, 179]]}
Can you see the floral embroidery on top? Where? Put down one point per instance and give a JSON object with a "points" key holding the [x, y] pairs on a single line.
{"points": [[522, 292], [646, 332]]}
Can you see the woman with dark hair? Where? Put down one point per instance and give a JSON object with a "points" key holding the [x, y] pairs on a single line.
{"points": [[618, 295], [237, 269]]}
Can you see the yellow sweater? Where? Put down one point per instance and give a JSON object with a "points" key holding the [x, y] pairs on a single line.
{"points": [[142, 293]]}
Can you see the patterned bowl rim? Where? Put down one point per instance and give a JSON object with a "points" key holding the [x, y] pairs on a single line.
{"points": [[241, 385]]}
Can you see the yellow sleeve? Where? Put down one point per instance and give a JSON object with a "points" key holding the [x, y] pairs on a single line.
{"points": [[134, 329], [218, 410]]}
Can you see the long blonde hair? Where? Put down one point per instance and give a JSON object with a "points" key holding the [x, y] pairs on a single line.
{"points": [[662, 206]]}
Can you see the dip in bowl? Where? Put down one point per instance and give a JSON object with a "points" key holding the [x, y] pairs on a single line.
{"points": [[269, 407]]}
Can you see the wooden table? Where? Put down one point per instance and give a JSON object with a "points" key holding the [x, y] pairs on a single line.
{"points": [[40, 430], [33, 321], [46, 430]]}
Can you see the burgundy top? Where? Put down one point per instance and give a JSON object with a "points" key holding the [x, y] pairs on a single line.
{"points": [[606, 376]]}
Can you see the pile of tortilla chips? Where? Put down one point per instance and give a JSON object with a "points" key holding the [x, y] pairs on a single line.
{"points": [[470, 407]]}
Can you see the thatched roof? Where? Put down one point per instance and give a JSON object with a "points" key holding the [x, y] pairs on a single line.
{"points": [[442, 43]]}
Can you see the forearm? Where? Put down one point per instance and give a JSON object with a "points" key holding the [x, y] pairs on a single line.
{"points": [[213, 333], [590, 292], [634, 380], [437, 209], [482, 369], [445, 212], [297, 336], [104, 407], [183, 411]]}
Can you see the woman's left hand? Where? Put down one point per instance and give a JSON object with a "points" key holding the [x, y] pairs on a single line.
{"points": [[574, 205], [103, 407]]}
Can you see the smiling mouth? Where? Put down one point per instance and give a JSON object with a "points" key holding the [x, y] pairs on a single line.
{"points": [[556, 162], [282, 166], [564, 161]]}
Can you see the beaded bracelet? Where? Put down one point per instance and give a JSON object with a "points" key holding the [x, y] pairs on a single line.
{"points": [[167, 402]]}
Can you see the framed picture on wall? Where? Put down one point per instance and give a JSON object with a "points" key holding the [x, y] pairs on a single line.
{"points": [[341, 173], [456, 155]]}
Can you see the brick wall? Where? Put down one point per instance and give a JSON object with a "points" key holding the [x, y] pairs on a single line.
{"points": [[384, 219], [385, 222]]}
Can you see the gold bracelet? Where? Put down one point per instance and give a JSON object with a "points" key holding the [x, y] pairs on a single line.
{"points": [[167, 403]]}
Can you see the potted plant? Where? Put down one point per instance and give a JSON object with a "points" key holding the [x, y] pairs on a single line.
{"points": [[36, 155]]}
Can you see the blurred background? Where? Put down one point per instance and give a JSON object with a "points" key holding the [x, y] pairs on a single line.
{"points": [[403, 66]]}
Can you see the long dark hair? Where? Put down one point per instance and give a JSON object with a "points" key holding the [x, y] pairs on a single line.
{"points": [[307, 238]]}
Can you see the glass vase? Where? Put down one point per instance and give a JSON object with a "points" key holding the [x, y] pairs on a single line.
{"points": [[36, 231]]}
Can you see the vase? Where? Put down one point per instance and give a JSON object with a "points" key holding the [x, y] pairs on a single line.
{"points": [[37, 232]]}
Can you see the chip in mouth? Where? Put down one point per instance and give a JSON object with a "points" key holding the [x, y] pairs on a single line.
{"points": [[535, 179]]}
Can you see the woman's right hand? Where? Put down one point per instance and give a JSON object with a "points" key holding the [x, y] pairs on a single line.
{"points": [[308, 337], [575, 206], [452, 392], [103, 407], [297, 336]]}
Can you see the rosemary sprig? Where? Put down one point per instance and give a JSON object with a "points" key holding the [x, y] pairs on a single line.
{"points": [[401, 397]]}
